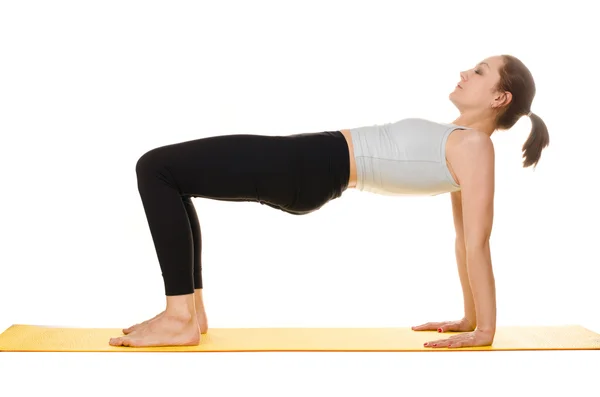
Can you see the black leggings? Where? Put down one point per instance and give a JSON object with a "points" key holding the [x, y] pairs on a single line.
{"points": [[296, 173]]}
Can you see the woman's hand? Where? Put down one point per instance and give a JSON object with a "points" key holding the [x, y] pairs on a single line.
{"points": [[469, 339], [462, 325], [472, 337]]}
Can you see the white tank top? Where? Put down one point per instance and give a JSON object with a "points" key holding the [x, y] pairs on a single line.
{"points": [[407, 157]]}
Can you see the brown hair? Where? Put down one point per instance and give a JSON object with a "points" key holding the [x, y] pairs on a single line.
{"points": [[516, 78]]}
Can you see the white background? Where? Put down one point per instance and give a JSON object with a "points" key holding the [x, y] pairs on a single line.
{"points": [[88, 87]]}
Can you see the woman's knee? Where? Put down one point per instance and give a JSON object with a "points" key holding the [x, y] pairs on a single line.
{"points": [[152, 167], [149, 162]]}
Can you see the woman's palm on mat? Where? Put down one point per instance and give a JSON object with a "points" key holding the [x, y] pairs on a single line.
{"points": [[471, 337], [445, 326]]}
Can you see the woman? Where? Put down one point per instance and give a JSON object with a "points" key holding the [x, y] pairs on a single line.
{"points": [[300, 173]]}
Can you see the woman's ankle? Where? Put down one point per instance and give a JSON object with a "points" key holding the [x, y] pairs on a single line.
{"points": [[198, 299]]}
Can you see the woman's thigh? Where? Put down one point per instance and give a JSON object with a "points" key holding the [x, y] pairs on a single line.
{"points": [[239, 167]]}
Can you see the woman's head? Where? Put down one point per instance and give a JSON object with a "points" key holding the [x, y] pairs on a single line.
{"points": [[501, 88]]}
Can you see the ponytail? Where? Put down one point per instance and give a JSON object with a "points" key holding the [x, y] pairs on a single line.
{"points": [[538, 139]]}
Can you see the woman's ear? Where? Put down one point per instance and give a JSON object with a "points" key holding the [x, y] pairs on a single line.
{"points": [[502, 99]]}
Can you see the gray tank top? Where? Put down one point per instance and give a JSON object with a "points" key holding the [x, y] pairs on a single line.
{"points": [[407, 157]]}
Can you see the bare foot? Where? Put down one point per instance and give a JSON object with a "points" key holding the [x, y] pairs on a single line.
{"points": [[202, 321], [164, 330], [129, 330], [200, 315]]}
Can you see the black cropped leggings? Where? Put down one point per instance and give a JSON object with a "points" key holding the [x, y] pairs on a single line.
{"points": [[296, 173]]}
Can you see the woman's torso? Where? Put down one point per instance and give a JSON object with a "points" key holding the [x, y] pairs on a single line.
{"points": [[452, 143]]}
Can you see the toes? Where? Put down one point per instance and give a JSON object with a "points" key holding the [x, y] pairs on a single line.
{"points": [[129, 330], [132, 328], [120, 341]]}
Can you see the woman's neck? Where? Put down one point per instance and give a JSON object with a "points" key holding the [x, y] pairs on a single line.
{"points": [[476, 122]]}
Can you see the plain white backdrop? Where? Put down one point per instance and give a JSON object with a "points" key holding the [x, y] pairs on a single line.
{"points": [[87, 87]]}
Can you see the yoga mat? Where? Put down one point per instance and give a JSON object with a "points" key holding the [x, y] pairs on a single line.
{"points": [[35, 338]]}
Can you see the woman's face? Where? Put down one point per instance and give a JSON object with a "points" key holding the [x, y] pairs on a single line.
{"points": [[475, 90]]}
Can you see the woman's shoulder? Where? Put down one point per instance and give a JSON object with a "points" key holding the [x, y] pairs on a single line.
{"points": [[469, 148]]}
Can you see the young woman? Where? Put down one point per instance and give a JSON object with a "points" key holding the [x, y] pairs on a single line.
{"points": [[300, 173]]}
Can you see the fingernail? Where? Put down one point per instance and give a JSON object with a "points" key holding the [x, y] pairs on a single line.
{"points": [[439, 330]]}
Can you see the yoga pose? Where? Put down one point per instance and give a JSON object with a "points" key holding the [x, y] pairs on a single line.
{"points": [[300, 173]]}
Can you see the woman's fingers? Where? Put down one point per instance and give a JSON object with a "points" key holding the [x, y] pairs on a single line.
{"points": [[454, 341], [432, 326], [449, 326], [440, 326], [475, 338]]}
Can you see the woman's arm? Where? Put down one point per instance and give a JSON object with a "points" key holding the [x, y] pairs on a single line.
{"points": [[475, 171], [461, 258]]}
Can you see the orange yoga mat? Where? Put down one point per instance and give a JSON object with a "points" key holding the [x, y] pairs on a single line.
{"points": [[34, 338]]}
